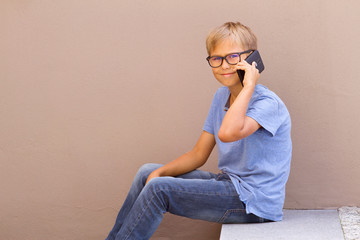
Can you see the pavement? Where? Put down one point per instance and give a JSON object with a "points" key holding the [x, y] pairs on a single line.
{"points": [[350, 222], [341, 224]]}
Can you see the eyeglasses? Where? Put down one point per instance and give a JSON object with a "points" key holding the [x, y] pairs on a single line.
{"points": [[232, 59]]}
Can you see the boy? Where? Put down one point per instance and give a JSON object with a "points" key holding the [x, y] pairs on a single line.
{"points": [[251, 127]]}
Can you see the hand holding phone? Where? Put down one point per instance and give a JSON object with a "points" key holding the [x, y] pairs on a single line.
{"points": [[253, 57]]}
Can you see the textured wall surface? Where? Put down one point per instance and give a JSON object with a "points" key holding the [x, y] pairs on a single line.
{"points": [[91, 90]]}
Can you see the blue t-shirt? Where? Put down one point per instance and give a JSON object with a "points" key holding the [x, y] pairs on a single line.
{"points": [[258, 165]]}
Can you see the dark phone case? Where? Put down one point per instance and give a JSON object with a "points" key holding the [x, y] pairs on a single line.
{"points": [[253, 57]]}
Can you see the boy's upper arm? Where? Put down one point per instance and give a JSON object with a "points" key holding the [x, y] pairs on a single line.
{"points": [[265, 111], [250, 126]]}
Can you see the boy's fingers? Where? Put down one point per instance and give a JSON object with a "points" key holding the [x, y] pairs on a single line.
{"points": [[243, 65]]}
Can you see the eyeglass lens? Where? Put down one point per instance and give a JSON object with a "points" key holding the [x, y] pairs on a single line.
{"points": [[232, 59]]}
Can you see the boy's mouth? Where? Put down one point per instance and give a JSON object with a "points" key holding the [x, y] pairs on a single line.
{"points": [[227, 74]]}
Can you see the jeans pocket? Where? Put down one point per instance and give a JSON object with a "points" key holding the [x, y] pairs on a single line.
{"points": [[240, 216]]}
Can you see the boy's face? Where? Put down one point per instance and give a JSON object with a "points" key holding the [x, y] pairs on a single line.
{"points": [[226, 74]]}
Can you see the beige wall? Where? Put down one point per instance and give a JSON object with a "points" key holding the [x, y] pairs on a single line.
{"points": [[91, 90]]}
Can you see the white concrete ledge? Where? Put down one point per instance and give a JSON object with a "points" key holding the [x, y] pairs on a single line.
{"points": [[296, 225]]}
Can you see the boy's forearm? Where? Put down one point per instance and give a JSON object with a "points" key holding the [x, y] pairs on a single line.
{"points": [[185, 163]]}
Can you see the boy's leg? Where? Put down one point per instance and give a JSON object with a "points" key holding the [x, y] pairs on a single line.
{"points": [[137, 186], [135, 189], [211, 199]]}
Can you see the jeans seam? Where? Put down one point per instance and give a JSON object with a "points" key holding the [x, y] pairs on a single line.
{"points": [[213, 193], [143, 211], [139, 217], [168, 189], [226, 214]]}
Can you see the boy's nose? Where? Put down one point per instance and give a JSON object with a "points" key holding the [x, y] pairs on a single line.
{"points": [[225, 65]]}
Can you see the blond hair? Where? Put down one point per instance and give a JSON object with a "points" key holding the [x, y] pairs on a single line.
{"points": [[236, 32]]}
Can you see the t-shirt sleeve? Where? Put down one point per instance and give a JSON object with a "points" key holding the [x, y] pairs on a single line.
{"points": [[209, 122], [265, 111]]}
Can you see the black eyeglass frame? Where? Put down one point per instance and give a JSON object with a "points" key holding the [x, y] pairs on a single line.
{"points": [[222, 58]]}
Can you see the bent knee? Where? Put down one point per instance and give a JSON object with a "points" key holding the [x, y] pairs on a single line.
{"points": [[147, 168], [160, 183]]}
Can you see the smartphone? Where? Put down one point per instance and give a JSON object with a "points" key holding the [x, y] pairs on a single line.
{"points": [[253, 57]]}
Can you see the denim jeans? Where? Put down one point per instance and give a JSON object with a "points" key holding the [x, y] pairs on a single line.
{"points": [[197, 195]]}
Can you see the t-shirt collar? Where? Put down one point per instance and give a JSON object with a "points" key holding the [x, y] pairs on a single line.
{"points": [[227, 105]]}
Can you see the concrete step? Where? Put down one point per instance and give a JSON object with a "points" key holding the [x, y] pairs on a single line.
{"points": [[296, 225]]}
